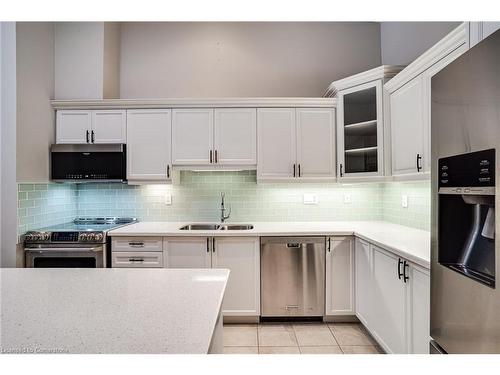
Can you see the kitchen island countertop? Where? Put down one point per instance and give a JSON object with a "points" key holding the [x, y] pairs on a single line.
{"points": [[110, 310]]}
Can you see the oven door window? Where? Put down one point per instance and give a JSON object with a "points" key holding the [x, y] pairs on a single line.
{"points": [[64, 262]]}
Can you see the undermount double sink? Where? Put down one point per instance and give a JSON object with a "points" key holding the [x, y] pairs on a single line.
{"points": [[217, 227]]}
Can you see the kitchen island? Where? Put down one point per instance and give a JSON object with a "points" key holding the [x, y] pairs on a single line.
{"points": [[112, 310]]}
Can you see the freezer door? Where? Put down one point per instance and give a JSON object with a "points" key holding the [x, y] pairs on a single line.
{"points": [[292, 276]]}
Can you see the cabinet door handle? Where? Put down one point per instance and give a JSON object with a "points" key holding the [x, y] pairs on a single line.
{"points": [[92, 137], [216, 157], [329, 244], [168, 170], [419, 159], [210, 156], [405, 276], [87, 136], [299, 170], [208, 245], [213, 244], [341, 173], [294, 170], [400, 263]]}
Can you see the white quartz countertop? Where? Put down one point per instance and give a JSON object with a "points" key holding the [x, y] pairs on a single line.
{"points": [[413, 244], [109, 310]]}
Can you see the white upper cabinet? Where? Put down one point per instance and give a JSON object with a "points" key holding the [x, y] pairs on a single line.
{"points": [[235, 136], [481, 30], [73, 126], [216, 137], [276, 143], [100, 126], [360, 131], [149, 145], [340, 276], [192, 136], [241, 255], [361, 153], [109, 126], [296, 144], [409, 112], [315, 142], [407, 122]]}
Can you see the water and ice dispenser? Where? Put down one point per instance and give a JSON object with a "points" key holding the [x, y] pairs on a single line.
{"points": [[467, 215]]}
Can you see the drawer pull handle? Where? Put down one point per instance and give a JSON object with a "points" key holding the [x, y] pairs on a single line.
{"points": [[136, 260], [136, 244], [292, 307]]}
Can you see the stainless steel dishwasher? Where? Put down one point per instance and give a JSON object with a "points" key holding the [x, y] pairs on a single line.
{"points": [[292, 276]]}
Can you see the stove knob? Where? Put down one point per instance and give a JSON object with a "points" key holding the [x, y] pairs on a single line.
{"points": [[29, 237], [39, 236], [91, 237], [83, 237], [46, 236], [99, 237]]}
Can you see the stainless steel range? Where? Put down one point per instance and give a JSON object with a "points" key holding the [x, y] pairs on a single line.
{"points": [[81, 243]]}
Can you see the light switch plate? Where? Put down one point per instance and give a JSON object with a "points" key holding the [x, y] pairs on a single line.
{"points": [[310, 199], [404, 201], [347, 198], [168, 199]]}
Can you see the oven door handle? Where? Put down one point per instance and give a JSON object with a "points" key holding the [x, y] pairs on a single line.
{"points": [[96, 249]]}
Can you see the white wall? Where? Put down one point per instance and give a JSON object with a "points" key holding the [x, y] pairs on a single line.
{"points": [[79, 60], [8, 190], [403, 42], [174, 59], [35, 88]]}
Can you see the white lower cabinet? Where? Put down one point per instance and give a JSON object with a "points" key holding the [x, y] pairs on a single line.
{"points": [[241, 255], [392, 299], [138, 259], [137, 252], [340, 276], [187, 252], [389, 308], [363, 282], [419, 308]]}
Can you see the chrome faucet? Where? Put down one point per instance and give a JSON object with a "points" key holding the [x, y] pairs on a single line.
{"points": [[223, 216]]}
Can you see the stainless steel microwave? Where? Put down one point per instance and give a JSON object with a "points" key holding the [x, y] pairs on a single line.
{"points": [[88, 163]]}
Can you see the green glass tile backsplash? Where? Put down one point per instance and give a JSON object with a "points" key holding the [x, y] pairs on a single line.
{"points": [[196, 197]]}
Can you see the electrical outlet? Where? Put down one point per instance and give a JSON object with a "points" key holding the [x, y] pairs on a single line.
{"points": [[347, 198], [404, 201], [168, 199], [310, 199]]}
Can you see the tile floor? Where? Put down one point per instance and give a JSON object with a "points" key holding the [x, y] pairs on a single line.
{"points": [[298, 338]]}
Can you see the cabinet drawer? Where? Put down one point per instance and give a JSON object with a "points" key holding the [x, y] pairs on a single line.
{"points": [[139, 259], [137, 244]]}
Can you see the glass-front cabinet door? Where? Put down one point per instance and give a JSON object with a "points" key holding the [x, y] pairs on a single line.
{"points": [[359, 131]]}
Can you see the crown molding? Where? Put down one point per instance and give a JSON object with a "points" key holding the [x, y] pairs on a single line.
{"points": [[381, 72], [194, 103], [455, 39]]}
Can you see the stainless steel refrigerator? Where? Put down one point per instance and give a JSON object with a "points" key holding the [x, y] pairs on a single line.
{"points": [[465, 258]]}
